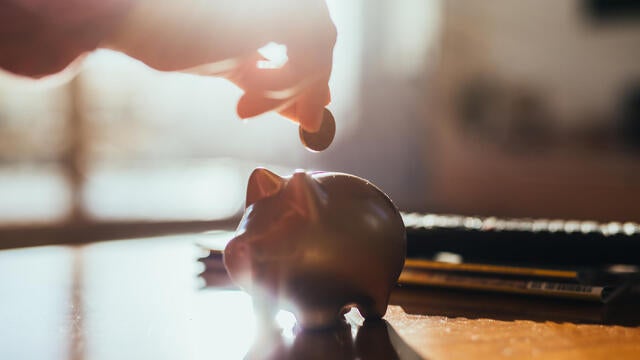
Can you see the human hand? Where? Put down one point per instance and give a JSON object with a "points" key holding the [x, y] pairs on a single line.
{"points": [[221, 38]]}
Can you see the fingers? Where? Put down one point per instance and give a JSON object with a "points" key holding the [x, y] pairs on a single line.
{"points": [[299, 90], [310, 107], [305, 109], [297, 97], [282, 80], [252, 104], [290, 112], [280, 83]]}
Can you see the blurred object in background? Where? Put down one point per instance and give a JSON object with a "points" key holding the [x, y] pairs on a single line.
{"points": [[630, 117], [121, 142], [33, 122], [514, 109], [535, 113], [613, 10], [33, 194]]}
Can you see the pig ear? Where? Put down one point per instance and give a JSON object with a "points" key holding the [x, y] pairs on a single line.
{"points": [[262, 184], [305, 194]]}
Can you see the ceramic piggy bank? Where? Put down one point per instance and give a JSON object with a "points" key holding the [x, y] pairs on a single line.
{"points": [[316, 244]]}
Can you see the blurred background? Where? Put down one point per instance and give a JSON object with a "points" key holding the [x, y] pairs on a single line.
{"points": [[515, 109]]}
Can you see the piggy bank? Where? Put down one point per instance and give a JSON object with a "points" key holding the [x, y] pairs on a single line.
{"points": [[316, 244]]}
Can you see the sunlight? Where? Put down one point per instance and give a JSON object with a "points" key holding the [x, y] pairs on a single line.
{"points": [[33, 194], [286, 321], [275, 55], [188, 191]]}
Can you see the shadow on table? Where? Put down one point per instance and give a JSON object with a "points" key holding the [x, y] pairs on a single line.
{"points": [[374, 340], [475, 305]]}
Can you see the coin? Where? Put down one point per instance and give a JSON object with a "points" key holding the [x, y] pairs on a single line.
{"points": [[321, 139]]}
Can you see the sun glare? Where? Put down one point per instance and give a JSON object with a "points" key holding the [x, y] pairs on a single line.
{"points": [[286, 321], [275, 55]]}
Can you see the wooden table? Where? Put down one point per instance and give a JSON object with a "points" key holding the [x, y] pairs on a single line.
{"points": [[142, 299]]}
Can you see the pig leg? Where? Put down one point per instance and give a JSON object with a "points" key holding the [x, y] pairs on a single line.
{"points": [[265, 293], [375, 308], [265, 309]]}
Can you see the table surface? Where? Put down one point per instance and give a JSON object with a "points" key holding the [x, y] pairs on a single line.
{"points": [[143, 299]]}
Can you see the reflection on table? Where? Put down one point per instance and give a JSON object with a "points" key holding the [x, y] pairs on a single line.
{"points": [[142, 299]]}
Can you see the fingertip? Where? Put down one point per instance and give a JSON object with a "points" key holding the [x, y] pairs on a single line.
{"points": [[311, 107], [251, 105], [311, 120], [290, 113], [327, 97], [243, 108]]}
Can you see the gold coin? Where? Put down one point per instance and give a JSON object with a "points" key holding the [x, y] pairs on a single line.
{"points": [[321, 139]]}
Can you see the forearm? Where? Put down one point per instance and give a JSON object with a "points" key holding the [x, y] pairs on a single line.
{"points": [[174, 35], [42, 37]]}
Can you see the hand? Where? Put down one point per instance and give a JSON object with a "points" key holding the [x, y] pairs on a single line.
{"points": [[172, 35]]}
